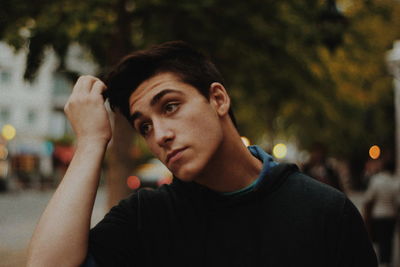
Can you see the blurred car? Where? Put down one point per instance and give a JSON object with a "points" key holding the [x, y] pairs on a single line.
{"points": [[153, 174]]}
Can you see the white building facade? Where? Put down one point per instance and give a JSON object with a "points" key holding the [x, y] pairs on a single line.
{"points": [[35, 109]]}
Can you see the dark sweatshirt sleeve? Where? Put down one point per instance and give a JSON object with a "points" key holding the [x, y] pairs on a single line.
{"points": [[354, 247], [113, 241]]}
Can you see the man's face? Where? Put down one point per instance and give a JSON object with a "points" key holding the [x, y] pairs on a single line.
{"points": [[181, 127]]}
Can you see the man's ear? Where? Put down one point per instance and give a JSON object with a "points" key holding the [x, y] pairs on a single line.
{"points": [[219, 98]]}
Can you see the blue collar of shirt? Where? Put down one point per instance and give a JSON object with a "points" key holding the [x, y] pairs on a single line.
{"points": [[268, 163]]}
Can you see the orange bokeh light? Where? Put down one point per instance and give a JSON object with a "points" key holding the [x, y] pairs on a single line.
{"points": [[133, 182], [374, 152]]}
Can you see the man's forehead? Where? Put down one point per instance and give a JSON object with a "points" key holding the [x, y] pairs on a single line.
{"points": [[141, 91], [154, 88], [147, 86]]}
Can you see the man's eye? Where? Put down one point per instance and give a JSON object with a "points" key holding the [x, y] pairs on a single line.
{"points": [[170, 107], [145, 128]]}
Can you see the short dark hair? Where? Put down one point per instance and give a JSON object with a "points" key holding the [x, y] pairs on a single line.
{"points": [[177, 57]]}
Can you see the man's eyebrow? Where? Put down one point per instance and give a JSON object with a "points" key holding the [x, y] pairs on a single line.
{"points": [[136, 115], [160, 94]]}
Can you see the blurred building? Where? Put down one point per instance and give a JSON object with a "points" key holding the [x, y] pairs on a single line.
{"points": [[35, 109]]}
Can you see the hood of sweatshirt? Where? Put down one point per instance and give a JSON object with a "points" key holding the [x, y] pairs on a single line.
{"points": [[272, 175]]}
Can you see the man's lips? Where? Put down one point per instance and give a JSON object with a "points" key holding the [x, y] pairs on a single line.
{"points": [[174, 154]]}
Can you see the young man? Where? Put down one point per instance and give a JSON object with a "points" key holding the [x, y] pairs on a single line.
{"points": [[228, 205]]}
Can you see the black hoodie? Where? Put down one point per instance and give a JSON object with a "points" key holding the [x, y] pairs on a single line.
{"points": [[289, 219]]}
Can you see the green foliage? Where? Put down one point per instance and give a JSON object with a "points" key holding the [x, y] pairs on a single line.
{"points": [[293, 68]]}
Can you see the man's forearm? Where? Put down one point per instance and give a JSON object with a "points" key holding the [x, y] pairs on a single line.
{"points": [[61, 237]]}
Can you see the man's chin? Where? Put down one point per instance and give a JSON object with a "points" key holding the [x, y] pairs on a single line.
{"points": [[185, 175]]}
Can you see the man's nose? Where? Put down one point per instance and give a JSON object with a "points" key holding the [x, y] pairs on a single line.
{"points": [[163, 134]]}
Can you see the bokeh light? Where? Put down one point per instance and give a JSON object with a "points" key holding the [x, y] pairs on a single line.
{"points": [[374, 152], [8, 132], [133, 182], [245, 140], [279, 151]]}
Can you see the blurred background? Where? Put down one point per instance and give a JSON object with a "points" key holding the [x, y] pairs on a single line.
{"points": [[314, 82]]}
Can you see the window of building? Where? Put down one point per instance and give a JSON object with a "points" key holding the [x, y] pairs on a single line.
{"points": [[31, 116], [4, 114], [61, 85], [5, 76]]}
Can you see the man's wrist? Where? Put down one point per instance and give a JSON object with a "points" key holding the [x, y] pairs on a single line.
{"points": [[91, 143]]}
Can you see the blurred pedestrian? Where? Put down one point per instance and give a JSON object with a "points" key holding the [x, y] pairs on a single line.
{"points": [[371, 167], [381, 209], [319, 168]]}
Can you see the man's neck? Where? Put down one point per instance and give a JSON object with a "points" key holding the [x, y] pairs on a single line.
{"points": [[232, 167]]}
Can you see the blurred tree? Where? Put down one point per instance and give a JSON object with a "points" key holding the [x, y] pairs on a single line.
{"points": [[103, 28], [353, 108], [307, 69]]}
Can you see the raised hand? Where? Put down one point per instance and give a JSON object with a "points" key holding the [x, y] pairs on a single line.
{"points": [[86, 111]]}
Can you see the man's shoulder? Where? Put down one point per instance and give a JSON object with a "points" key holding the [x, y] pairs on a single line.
{"points": [[293, 178], [311, 186], [303, 190]]}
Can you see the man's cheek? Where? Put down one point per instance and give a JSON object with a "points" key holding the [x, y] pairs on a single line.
{"points": [[154, 150]]}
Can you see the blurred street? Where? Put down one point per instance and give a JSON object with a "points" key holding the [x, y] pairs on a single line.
{"points": [[20, 212]]}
